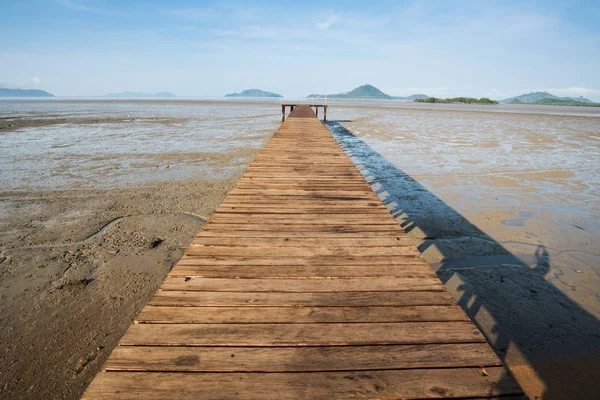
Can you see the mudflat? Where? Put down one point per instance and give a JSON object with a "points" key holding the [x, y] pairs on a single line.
{"points": [[100, 198], [503, 203], [95, 208]]}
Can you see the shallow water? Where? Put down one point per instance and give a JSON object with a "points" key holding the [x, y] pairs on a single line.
{"points": [[130, 143]]}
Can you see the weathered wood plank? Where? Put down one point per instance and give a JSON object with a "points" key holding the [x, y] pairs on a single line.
{"points": [[396, 384], [313, 252], [327, 334], [188, 268], [298, 315], [336, 299], [364, 229], [206, 240], [341, 261], [303, 285], [298, 359], [331, 234]]}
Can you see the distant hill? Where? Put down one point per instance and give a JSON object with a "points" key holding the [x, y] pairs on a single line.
{"points": [[412, 97], [361, 92], [138, 94], [5, 92], [366, 92], [533, 97], [253, 93]]}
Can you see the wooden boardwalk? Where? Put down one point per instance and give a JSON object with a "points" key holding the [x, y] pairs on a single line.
{"points": [[302, 285]]}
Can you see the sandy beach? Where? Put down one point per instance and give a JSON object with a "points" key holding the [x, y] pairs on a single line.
{"points": [[100, 198]]}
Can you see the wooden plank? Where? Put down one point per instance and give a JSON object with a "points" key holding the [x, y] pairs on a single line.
{"points": [[327, 334], [342, 299], [313, 252], [317, 219], [341, 261], [331, 234], [396, 384], [321, 285], [188, 269], [300, 359], [364, 229], [302, 242], [359, 193], [298, 315]]}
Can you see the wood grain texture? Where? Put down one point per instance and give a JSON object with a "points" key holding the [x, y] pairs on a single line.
{"points": [[316, 285], [296, 359], [387, 384], [175, 298], [269, 335], [298, 315]]}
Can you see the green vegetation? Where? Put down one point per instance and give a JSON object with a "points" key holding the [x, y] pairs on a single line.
{"points": [[366, 92], [561, 102], [253, 93], [4, 92], [459, 100]]}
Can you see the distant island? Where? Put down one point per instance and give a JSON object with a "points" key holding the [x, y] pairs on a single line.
{"points": [[457, 100], [253, 93], [366, 92], [138, 94], [5, 92], [546, 98]]}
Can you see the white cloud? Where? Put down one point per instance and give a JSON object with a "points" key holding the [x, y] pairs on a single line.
{"points": [[574, 92], [35, 80], [329, 22]]}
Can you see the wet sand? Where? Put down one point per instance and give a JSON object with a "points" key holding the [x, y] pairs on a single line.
{"points": [[83, 249], [505, 208], [99, 200]]}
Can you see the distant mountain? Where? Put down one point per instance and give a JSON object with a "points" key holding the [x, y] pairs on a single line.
{"points": [[361, 92], [253, 93], [5, 92], [533, 97], [138, 94], [366, 92]]}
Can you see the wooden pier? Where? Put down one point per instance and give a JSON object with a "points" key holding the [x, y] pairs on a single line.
{"points": [[302, 286], [293, 106]]}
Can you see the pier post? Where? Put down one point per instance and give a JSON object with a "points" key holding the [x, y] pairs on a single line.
{"points": [[324, 113], [317, 112], [282, 113]]}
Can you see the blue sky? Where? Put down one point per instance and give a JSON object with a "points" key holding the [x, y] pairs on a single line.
{"points": [[209, 48]]}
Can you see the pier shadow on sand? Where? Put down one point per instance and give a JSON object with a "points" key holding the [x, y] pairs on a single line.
{"points": [[549, 342]]}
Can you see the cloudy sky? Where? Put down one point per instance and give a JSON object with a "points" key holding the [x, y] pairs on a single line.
{"points": [[209, 48]]}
